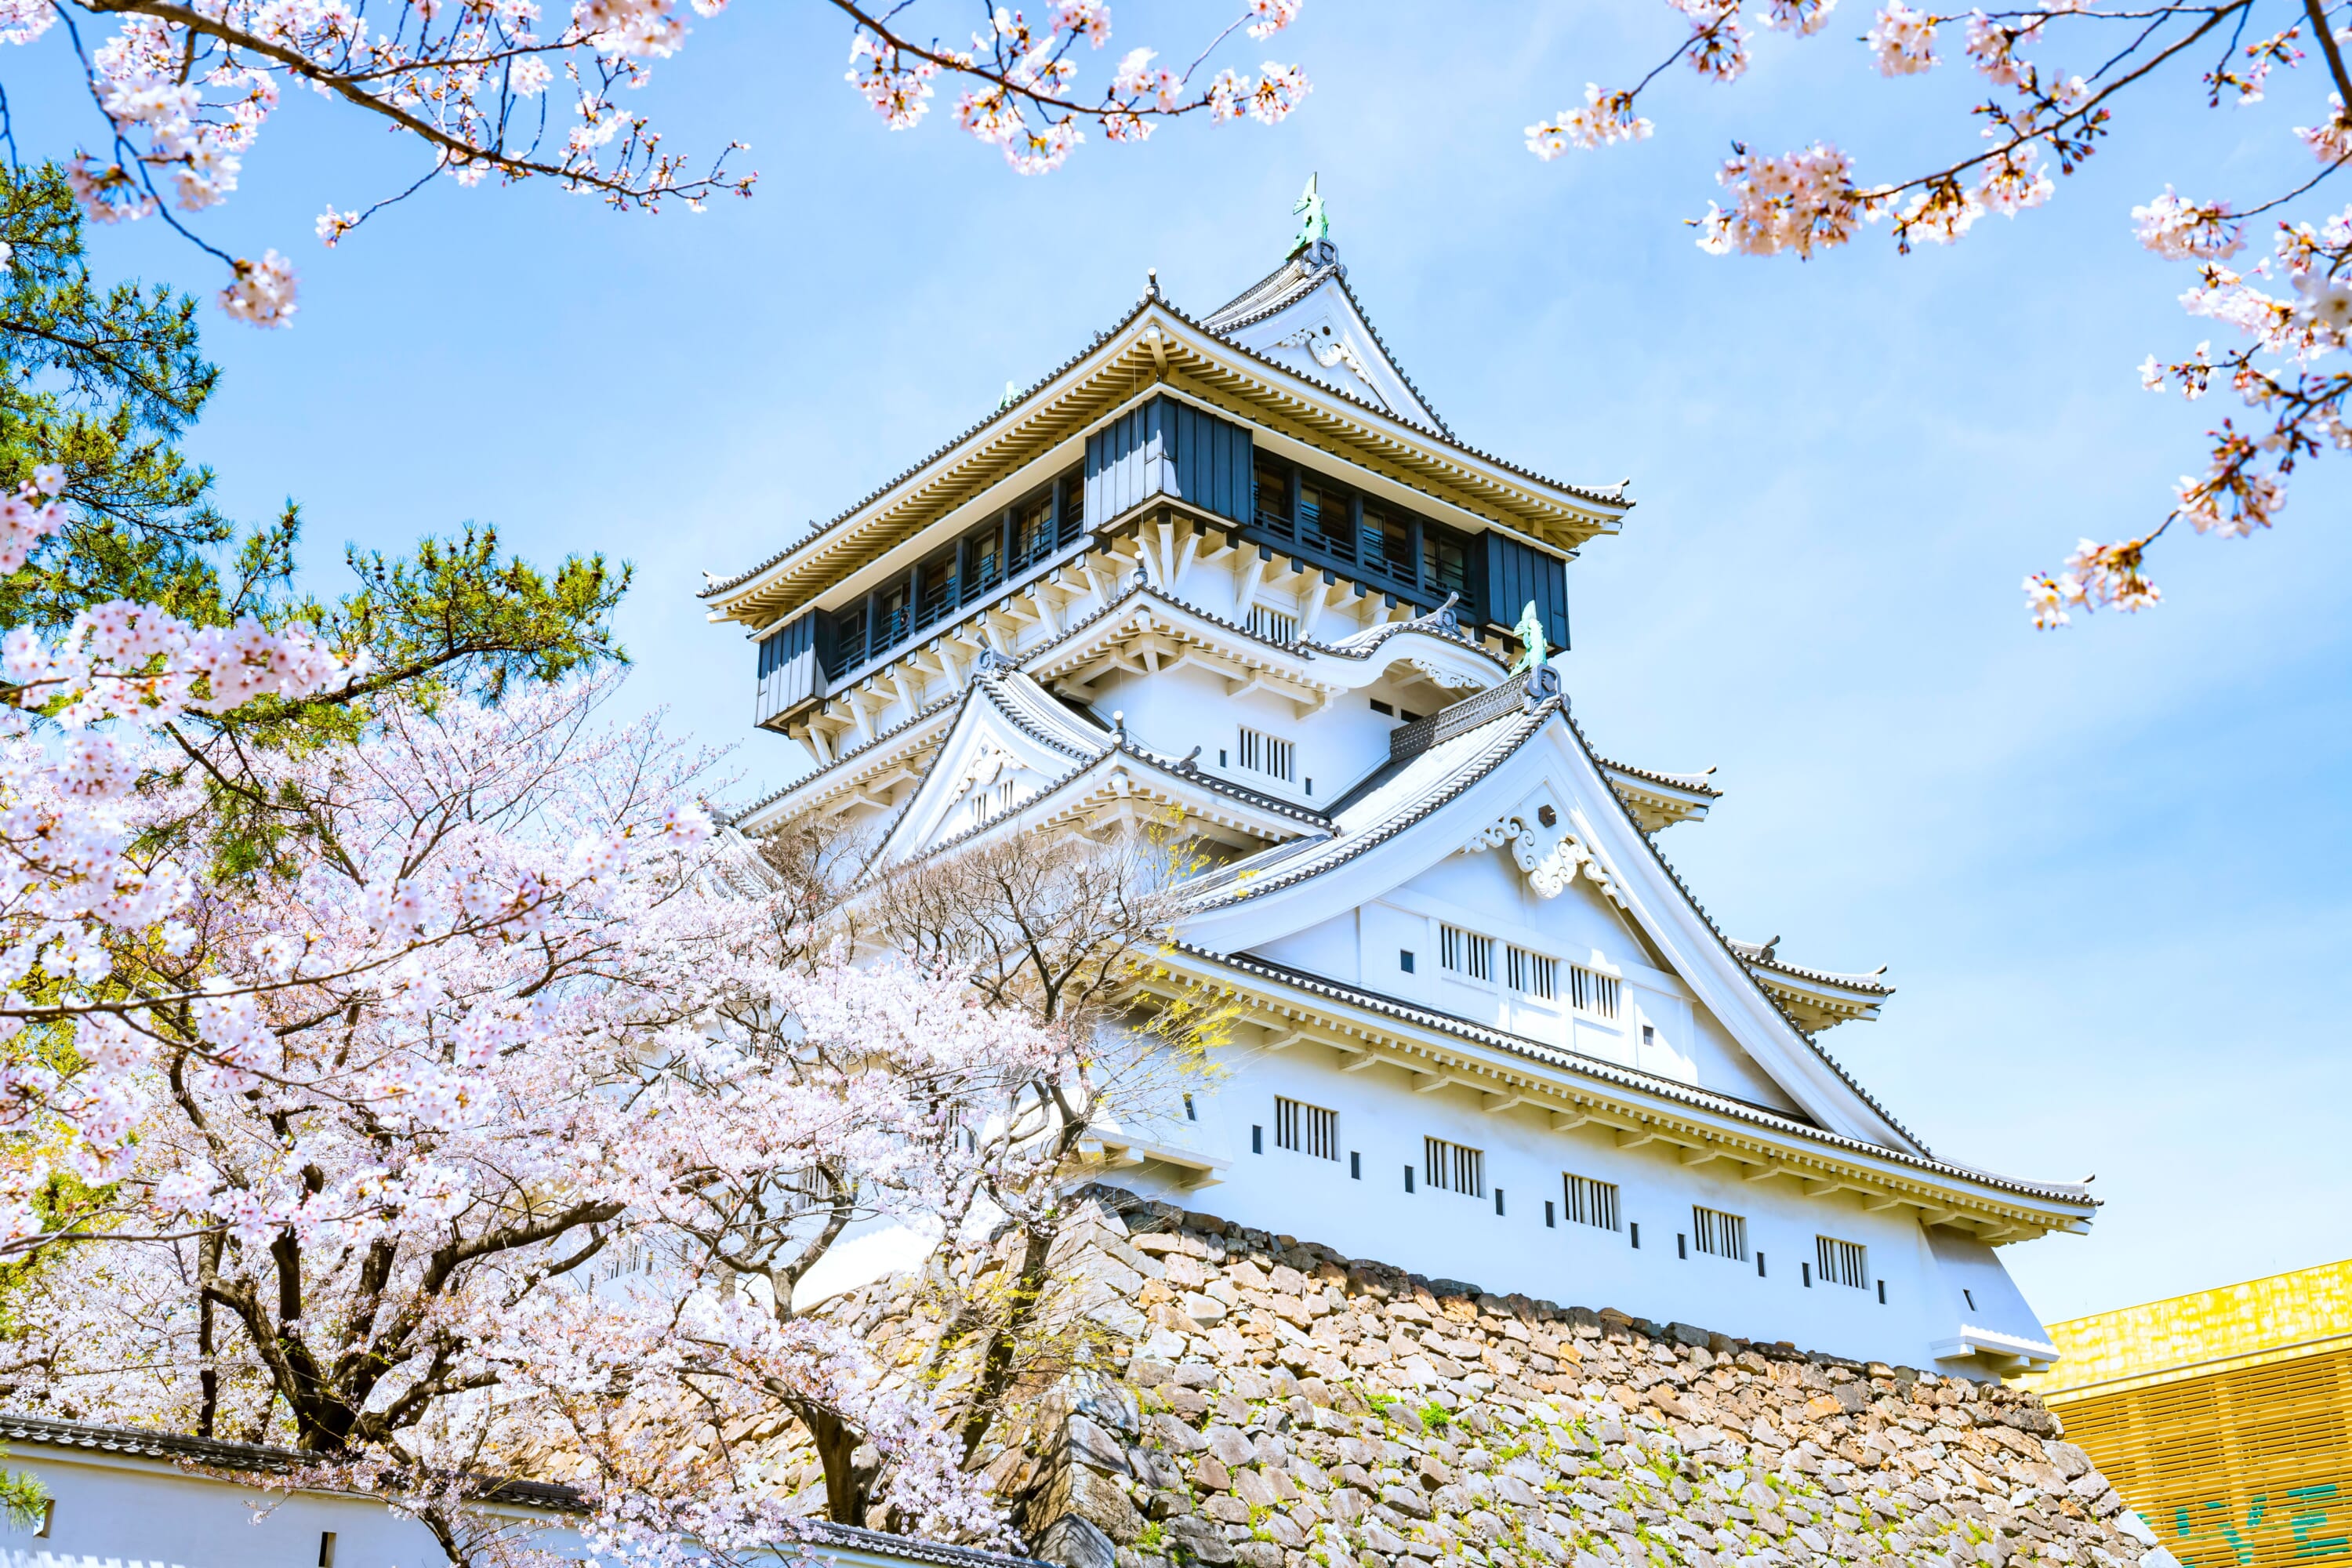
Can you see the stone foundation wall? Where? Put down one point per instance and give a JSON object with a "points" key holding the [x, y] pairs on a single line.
{"points": [[1278, 1405]]}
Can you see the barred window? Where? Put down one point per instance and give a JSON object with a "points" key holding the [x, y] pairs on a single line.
{"points": [[1589, 990], [1308, 1129], [1451, 1168], [1589, 1201], [1533, 975], [1465, 952], [1719, 1233], [1843, 1262], [1264, 754], [1273, 624]]}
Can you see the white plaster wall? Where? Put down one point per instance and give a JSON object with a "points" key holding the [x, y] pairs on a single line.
{"points": [[1488, 894], [117, 1512], [1445, 1234]]}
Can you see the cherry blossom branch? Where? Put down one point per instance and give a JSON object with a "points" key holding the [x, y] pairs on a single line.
{"points": [[1806, 201]]}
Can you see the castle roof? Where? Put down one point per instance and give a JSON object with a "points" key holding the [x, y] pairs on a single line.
{"points": [[1374, 418]]}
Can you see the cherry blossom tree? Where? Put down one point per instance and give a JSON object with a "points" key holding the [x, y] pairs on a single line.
{"points": [[1056, 928], [475, 1130], [2054, 75], [183, 89]]}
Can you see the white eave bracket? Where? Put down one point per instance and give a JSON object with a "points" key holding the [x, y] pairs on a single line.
{"points": [[1117, 1150], [2006, 1352]]}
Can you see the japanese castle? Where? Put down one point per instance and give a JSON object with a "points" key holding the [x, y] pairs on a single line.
{"points": [[1235, 566]]}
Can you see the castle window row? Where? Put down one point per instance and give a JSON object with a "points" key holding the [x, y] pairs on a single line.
{"points": [[1467, 955], [985, 559], [1450, 1167], [1298, 506]]}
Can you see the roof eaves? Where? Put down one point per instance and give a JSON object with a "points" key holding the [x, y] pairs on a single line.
{"points": [[1608, 1072], [818, 530], [1228, 891], [895, 731], [1650, 844], [1695, 783]]}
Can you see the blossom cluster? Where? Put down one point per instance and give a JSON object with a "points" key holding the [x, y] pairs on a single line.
{"points": [[1797, 202], [1025, 99], [186, 93], [2042, 122]]}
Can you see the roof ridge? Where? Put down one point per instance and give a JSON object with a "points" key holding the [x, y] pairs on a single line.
{"points": [[1650, 843]]}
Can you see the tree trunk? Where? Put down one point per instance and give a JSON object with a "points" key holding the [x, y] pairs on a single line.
{"points": [[848, 1488]]}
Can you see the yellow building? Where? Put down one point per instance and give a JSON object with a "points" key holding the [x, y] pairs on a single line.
{"points": [[2224, 1418]]}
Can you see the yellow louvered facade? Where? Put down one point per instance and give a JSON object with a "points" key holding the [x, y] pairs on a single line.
{"points": [[2224, 1417]]}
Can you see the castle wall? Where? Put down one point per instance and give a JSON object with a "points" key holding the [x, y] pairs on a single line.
{"points": [[1272, 1404], [1384, 1120]]}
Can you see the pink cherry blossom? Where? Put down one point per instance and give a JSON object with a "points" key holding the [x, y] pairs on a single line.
{"points": [[262, 294], [1902, 40], [2182, 230]]}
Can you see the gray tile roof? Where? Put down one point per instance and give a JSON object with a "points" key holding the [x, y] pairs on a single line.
{"points": [[815, 530], [263, 1459]]}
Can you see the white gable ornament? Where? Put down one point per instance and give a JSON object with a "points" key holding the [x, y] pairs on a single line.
{"points": [[1549, 871]]}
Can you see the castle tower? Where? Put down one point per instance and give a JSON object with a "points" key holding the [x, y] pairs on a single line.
{"points": [[1237, 565]]}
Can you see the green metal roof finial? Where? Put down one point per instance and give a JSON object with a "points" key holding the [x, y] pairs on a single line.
{"points": [[1530, 634], [1313, 224]]}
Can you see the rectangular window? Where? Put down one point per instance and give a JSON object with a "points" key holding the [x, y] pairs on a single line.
{"points": [[890, 617], [1323, 519], [1033, 531], [1533, 975], [1465, 952], [1405, 959], [849, 639], [1384, 710], [1270, 754], [1273, 624], [1272, 501], [1070, 515], [936, 588], [1444, 564], [1588, 1202], [1551, 1214], [1355, 1165], [1591, 992], [1388, 543], [983, 560], [1451, 1168], [1843, 1262], [1305, 1129], [1719, 1235]]}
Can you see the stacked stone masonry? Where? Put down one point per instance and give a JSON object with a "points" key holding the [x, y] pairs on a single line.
{"points": [[1278, 1405]]}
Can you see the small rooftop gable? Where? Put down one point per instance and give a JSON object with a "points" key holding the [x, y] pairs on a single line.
{"points": [[1303, 317]]}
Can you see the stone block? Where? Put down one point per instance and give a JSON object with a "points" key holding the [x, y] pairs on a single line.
{"points": [[1085, 1442], [1407, 1500], [1230, 1444], [1201, 1539], [1075, 1543]]}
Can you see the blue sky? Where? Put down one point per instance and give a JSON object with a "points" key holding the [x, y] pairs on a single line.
{"points": [[2107, 866]]}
